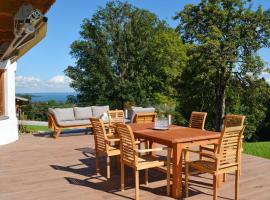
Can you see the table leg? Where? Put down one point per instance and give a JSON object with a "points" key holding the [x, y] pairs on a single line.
{"points": [[177, 171], [151, 146]]}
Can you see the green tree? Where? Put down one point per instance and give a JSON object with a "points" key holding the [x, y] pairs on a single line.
{"points": [[226, 36], [126, 54]]}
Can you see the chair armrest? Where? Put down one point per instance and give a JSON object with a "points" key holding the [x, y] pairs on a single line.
{"points": [[113, 139], [207, 148], [150, 150], [212, 156], [193, 151], [137, 142]]}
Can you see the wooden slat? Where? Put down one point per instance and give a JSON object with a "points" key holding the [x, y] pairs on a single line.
{"points": [[197, 120], [116, 116], [142, 118]]}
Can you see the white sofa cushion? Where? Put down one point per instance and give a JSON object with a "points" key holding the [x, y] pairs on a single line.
{"points": [[65, 114], [97, 111], [82, 113], [75, 123]]}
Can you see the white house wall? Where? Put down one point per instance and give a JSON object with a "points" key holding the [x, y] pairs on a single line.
{"points": [[9, 124]]}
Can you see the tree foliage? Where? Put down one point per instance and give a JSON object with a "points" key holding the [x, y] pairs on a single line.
{"points": [[126, 54], [225, 36]]}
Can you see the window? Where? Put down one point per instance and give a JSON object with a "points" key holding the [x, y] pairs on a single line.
{"points": [[2, 93]]}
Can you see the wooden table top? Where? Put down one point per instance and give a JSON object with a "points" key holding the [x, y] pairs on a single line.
{"points": [[175, 134]]}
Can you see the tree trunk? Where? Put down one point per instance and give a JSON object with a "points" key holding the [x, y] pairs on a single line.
{"points": [[220, 99], [220, 110]]}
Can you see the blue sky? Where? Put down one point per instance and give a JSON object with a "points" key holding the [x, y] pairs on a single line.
{"points": [[41, 69]]}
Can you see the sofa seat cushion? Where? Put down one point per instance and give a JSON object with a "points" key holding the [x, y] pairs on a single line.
{"points": [[82, 113], [64, 114], [68, 123], [97, 111]]}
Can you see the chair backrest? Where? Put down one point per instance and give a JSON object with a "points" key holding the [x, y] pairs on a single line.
{"points": [[229, 146], [234, 120], [142, 118], [127, 143], [197, 120], [116, 116], [99, 134]]}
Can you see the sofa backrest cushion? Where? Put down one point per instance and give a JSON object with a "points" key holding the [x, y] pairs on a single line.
{"points": [[131, 110], [82, 113], [140, 110], [97, 111], [65, 114], [54, 113]]}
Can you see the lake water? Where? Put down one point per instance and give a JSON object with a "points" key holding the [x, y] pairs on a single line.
{"points": [[44, 97]]}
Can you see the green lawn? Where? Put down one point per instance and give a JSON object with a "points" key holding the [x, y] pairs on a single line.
{"points": [[261, 149], [35, 129]]}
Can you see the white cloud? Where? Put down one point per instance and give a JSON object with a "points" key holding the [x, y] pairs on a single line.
{"points": [[266, 76], [57, 83], [59, 80]]}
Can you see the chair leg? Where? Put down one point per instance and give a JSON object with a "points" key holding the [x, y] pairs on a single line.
{"points": [[237, 174], [200, 155], [108, 168], [240, 164], [186, 156], [215, 187], [137, 181], [224, 177], [169, 152], [97, 163], [57, 133], [146, 144], [146, 177], [122, 185]]}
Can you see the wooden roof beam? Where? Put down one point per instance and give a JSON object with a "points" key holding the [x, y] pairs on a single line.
{"points": [[6, 14], [6, 36]]}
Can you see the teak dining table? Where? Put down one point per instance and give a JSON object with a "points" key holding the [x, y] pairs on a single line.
{"points": [[176, 137]]}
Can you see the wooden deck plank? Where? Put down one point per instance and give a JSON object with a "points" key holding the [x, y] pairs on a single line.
{"points": [[43, 168]]}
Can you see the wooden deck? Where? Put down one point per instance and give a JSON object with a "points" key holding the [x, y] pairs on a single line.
{"points": [[41, 168]]}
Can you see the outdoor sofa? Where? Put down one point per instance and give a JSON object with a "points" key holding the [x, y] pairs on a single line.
{"points": [[79, 117], [76, 117]]}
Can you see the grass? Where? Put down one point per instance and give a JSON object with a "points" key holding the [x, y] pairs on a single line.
{"points": [[35, 129], [261, 149]]}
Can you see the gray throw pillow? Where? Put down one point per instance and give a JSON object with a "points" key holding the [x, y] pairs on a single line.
{"points": [[65, 114], [97, 111], [82, 113]]}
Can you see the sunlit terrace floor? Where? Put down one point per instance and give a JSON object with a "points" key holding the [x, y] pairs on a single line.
{"points": [[41, 168]]}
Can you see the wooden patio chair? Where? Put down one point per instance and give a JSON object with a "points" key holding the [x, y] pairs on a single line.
{"points": [[197, 120], [142, 118], [229, 121], [103, 144], [115, 116], [130, 157], [226, 159]]}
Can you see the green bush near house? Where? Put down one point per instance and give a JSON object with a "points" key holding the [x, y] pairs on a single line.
{"points": [[261, 149]]}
